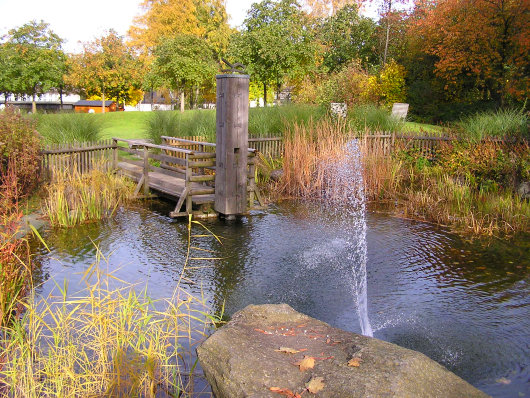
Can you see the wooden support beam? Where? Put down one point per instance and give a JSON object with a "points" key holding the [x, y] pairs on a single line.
{"points": [[146, 171], [182, 198]]}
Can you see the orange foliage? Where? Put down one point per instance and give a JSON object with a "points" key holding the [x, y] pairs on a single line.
{"points": [[483, 43]]}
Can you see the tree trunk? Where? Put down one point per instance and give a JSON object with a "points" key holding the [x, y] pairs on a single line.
{"points": [[103, 101], [264, 95], [197, 96], [61, 96], [386, 41], [34, 105], [182, 101], [152, 98], [389, 9]]}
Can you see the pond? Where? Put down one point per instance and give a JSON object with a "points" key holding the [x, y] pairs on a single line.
{"points": [[462, 303]]}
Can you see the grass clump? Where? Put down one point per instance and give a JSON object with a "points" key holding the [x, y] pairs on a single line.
{"points": [[70, 127], [503, 123], [275, 121], [74, 198], [372, 118]]}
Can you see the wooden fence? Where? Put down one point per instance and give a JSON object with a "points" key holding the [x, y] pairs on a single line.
{"points": [[269, 146], [81, 157]]}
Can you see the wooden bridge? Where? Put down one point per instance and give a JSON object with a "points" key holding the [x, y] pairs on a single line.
{"points": [[180, 169]]}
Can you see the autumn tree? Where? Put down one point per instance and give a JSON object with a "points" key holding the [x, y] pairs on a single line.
{"points": [[161, 19], [275, 43], [347, 36], [106, 67], [480, 46], [35, 61], [182, 63]]}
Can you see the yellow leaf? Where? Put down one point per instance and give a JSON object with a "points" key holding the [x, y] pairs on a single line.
{"points": [[315, 385], [306, 363], [355, 362], [288, 350]]}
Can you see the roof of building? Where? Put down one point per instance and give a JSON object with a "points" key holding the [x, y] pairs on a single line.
{"points": [[92, 103]]}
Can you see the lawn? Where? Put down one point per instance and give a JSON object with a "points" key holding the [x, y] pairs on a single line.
{"points": [[130, 125]]}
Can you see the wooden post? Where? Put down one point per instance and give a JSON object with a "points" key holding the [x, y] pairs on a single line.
{"points": [[114, 154], [146, 171], [187, 189], [232, 144]]}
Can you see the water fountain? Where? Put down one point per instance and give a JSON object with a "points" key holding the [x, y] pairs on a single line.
{"points": [[343, 194]]}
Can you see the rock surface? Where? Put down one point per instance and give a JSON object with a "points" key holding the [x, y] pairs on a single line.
{"points": [[523, 190], [249, 357]]}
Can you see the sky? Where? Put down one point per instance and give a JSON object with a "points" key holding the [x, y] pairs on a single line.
{"points": [[82, 21]]}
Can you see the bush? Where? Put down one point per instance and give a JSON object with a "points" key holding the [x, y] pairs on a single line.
{"points": [[19, 151], [503, 123], [70, 127]]}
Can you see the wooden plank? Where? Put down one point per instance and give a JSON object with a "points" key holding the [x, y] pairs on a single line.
{"points": [[167, 159]]}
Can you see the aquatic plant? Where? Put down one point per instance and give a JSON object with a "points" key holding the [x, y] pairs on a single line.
{"points": [[109, 339], [74, 197]]}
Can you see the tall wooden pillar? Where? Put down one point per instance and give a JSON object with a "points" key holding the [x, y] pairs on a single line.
{"points": [[232, 144]]}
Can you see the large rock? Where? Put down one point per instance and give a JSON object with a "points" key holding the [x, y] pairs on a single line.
{"points": [[247, 357]]}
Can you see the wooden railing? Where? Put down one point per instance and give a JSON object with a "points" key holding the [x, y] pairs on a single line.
{"points": [[81, 157], [193, 166], [269, 146]]}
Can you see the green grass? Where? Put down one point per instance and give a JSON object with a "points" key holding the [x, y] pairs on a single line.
{"points": [[503, 123], [262, 121]]}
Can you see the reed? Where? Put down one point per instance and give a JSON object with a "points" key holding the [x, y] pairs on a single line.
{"points": [[466, 186], [74, 197], [307, 147], [109, 339]]}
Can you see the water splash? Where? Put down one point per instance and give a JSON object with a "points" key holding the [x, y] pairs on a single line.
{"points": [[343, 194]]}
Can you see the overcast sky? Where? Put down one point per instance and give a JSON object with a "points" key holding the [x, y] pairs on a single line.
{"points": [[77, 21]]}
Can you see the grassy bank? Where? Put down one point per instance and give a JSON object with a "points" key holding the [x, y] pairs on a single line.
{"points": [[468, 186]]}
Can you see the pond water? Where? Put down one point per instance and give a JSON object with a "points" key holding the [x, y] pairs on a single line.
{"points": [[464, 304]]}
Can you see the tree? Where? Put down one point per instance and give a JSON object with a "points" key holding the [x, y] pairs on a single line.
{"points": [[182, 62], [106, 67], [164, 19], [36, 62], [481, 46], [8, 70], [276, 43], [326, 8], [347, 36]]}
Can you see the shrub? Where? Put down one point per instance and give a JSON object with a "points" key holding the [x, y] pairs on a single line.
{"points": [[70, 127], [19, 151], [503, 123]]}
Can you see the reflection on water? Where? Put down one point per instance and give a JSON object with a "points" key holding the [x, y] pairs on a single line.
{"points": [[463, 304]]}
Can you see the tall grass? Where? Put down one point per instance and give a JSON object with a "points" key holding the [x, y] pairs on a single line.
{"points": [[15, 261], [70, 127], [306, 148], [447, 191], [269, 121], [74, 198], [373, 118], [106, 340], [503, 123]]}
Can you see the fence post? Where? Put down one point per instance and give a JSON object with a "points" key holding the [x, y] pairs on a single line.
{"points": [[114, 154], [146, 171], [187, 186]]}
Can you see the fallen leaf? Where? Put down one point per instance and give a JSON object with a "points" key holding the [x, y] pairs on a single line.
{"points": [[503, 380], [306, 363], [288, 350], [285, 391], [315, 385], [355, 362]]}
